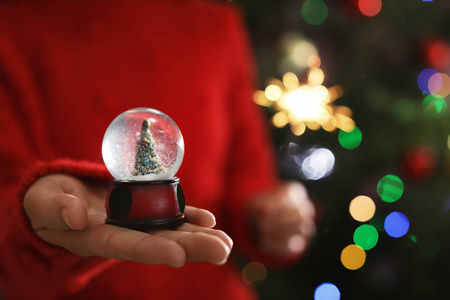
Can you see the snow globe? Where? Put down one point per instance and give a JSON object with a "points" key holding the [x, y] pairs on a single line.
{"points": [[143, 149]]}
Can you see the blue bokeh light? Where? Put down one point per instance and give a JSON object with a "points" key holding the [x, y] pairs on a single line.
{"points": [[327, 291], [396, 224], [424, 78]]}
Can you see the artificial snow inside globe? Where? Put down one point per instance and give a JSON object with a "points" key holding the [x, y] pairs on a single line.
{"points": [[143, 149]]}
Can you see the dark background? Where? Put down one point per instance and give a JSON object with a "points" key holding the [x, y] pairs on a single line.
{"points": [[376, 60]]}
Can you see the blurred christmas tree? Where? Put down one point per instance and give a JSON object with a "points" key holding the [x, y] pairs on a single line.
{"points": [[377, 52], [146, 160]]}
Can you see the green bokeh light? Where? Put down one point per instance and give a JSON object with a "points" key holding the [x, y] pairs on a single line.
{"points": [[314, 12], [350, 140], [413, 238], [434, 106], [390, 188], [366, 236]]}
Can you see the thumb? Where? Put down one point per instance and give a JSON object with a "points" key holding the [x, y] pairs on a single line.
{"points": [[60, 212], [67, 212]]}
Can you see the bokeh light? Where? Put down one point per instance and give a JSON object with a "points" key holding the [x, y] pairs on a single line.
{"points": [[396, 224], [434, 106], [314, 61], [297, 53], [350, 139], [314, 12], [362, 208], [290, 80], [327, 291], [254, 273], [424, 78], [390, 188], [353, 257], [280, 119], [273, 92], [448, 142], [316, 76], [438, 54], [370, 8], [435, 83], [318, 164], [305, 105], [444, 89], [439, 83], [365, 236]]}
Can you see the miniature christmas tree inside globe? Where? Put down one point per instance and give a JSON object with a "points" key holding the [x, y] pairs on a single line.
{"points": [[143, 144]]}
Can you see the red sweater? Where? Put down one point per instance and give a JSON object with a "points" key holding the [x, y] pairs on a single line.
{"points": [[67, 69]]}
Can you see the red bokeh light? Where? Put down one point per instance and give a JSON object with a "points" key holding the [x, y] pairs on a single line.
{"points": [[438, 54], [370, 8]]}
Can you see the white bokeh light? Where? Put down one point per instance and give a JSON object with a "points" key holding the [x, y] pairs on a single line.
{"points": [[318, 163]]}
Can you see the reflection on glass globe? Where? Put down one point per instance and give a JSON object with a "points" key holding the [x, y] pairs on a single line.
{"points": [[143, 144]]}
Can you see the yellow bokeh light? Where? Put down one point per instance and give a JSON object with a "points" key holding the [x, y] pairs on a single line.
{"points": [[353, 257], [336, 91], [301, 51], [345, 123], [306, 105], [344, 110], [312, 125], [261, 99], [290, 80], [273, 92], [448, 142], [362, 208], [320, 93], [298, 129], [254, 273], [280, 119], [314, 61], [316, 76], [330, 124]]}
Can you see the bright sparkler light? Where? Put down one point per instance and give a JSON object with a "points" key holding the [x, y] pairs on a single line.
{"points": [[306, 104]]}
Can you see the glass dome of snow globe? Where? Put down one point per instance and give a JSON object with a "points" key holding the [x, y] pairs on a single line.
{"points": [[143, 144]]}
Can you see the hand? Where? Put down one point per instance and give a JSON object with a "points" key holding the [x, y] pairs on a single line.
{"points": [[68, 212], [284, 220]]}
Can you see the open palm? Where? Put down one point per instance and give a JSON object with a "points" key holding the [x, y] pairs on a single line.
{"points": [[69, 212]]}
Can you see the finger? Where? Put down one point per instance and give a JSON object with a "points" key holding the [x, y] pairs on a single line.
{"points": [[284, 245], [48, 205], [308, 227], [282, 234], [200, 217], [120, 243], [199, 246], [281, 223], [218, 233], [60, 212]]}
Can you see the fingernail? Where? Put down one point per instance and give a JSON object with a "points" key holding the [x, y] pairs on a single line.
{"points": [[296, 244], [221, 262], [65, 216], [179, 265]]}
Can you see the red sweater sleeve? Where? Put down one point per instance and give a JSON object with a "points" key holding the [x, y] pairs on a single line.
{"points": [[29, 261]]}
